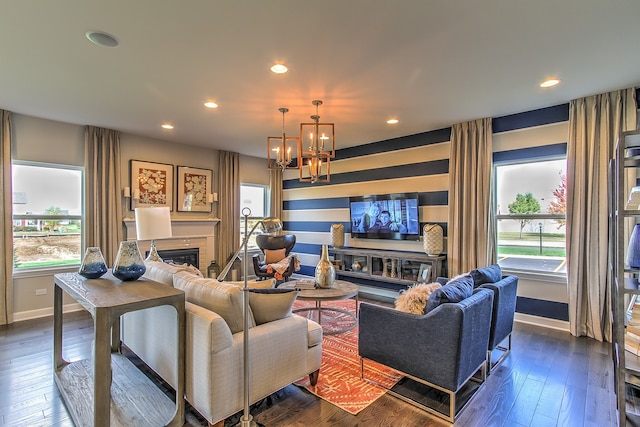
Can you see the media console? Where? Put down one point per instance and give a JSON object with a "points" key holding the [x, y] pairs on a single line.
{"points": [[398, 267]]}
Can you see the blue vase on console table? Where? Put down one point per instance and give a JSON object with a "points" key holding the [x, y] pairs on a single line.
{"points": [[128, 264], [93, 265]]}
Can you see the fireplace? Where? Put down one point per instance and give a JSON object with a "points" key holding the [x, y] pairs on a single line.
{"points": [[180, 256], [192, 242]]}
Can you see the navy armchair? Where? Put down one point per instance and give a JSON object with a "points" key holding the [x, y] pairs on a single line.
{"points": [[505, 292], [442, 349]]}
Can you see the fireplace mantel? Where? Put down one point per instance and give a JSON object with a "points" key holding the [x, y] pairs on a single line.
{"points": [[187, 233]]}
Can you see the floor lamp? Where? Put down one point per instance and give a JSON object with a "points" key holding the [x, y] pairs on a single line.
{"points": [[269, 225], [153, 223]]}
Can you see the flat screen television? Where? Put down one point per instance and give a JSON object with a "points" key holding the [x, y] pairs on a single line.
{"points": [[388, 216]]}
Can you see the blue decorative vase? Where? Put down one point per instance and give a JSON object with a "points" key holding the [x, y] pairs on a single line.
{"points": [[128, 264], [93, 265], [633, 250]]}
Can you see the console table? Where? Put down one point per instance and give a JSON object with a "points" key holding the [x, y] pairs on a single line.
{"points": [[111, 390]]}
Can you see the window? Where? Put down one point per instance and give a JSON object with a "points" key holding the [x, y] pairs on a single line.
{"points": [[47, 215], [531, 216], [253, 197]]}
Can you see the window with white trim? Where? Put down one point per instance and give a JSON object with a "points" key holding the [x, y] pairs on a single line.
{"points": [[47, 215], [254, 197], [531, 215]]}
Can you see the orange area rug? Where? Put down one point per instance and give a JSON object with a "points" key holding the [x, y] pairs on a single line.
{"points": [[340, 382]]}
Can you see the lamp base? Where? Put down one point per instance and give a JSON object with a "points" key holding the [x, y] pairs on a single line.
{"points": [[248, 422], [153, 253]]}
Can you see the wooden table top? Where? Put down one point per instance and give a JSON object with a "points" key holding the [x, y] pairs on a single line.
{"points": [[340, 290]]}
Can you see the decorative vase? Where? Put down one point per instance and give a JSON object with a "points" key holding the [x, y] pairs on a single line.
{"points": [[325, 271], [633, 250], [432, 239], [93, 265], [337, 235], [128, 264]]}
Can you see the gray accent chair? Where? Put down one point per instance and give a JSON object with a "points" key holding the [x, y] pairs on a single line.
{"points": [[443, 349], [505, 292]]}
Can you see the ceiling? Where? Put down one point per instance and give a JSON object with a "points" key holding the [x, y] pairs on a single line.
{"points": [[428, 63]]}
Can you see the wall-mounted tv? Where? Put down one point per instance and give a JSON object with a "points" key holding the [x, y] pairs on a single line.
{"points": [[388, 216]]}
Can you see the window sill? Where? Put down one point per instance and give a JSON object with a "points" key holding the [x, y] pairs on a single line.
{"points": [[41, 272], [559, 279]]}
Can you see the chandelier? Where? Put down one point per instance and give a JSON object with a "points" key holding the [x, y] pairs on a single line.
{"points": [[281, 150], [317, 148]]}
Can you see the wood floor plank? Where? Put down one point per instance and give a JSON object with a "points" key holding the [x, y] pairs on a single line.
{"points": [[549, 378]]}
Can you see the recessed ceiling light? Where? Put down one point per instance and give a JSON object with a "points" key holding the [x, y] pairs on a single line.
{"points": [[210, 104], [549, 82], [167, 126], [392, 121], [102, 39], [279, 68]]}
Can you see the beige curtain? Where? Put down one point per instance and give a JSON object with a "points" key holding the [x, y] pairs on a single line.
{"points": [[6, 231], [103, 204], [229, 230], [275, 193], [470, 163], [594, 123]]}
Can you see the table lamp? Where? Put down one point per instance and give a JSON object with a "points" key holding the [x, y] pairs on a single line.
{"points": [[152, 224]]}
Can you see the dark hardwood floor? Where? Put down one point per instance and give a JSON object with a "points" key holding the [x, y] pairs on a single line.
{"points": [[550, 379]]}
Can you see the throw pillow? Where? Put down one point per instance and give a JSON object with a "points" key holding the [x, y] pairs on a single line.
{"points": [[268, 305], [223, 298], [414, 299], [271, 256], [190, 268], [162, 272], [490, 274], [254, 284], [454, 291]]}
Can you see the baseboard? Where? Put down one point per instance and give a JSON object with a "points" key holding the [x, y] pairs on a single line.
{"points": [[44, 312], [528, 319]]}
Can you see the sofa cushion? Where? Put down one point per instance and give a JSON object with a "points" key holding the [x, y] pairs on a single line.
{"points": [[455, 290], [162, 272], [223, 298], [272, 256], [414, 300], [268, 305], [314, 334], [490, 274]]}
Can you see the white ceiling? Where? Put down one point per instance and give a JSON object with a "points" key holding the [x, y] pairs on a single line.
{"points": [[430, 63]]}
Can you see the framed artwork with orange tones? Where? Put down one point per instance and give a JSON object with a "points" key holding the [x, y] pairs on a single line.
{"points": [[194, 189], [151, 184]]}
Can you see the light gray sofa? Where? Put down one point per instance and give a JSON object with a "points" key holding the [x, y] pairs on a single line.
{"points": [[280, 351]]}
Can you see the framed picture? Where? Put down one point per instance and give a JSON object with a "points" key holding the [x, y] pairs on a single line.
{"points": [[151, 184], [194, 187], [425, 273]]}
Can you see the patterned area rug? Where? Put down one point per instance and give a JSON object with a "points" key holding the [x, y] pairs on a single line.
{"points": [[340, 382]]}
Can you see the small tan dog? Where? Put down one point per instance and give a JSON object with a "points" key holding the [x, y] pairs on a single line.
{"points": [[414, 299]]}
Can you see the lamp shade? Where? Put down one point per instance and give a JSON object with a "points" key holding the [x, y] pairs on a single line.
{"points": [[153, 223]]}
